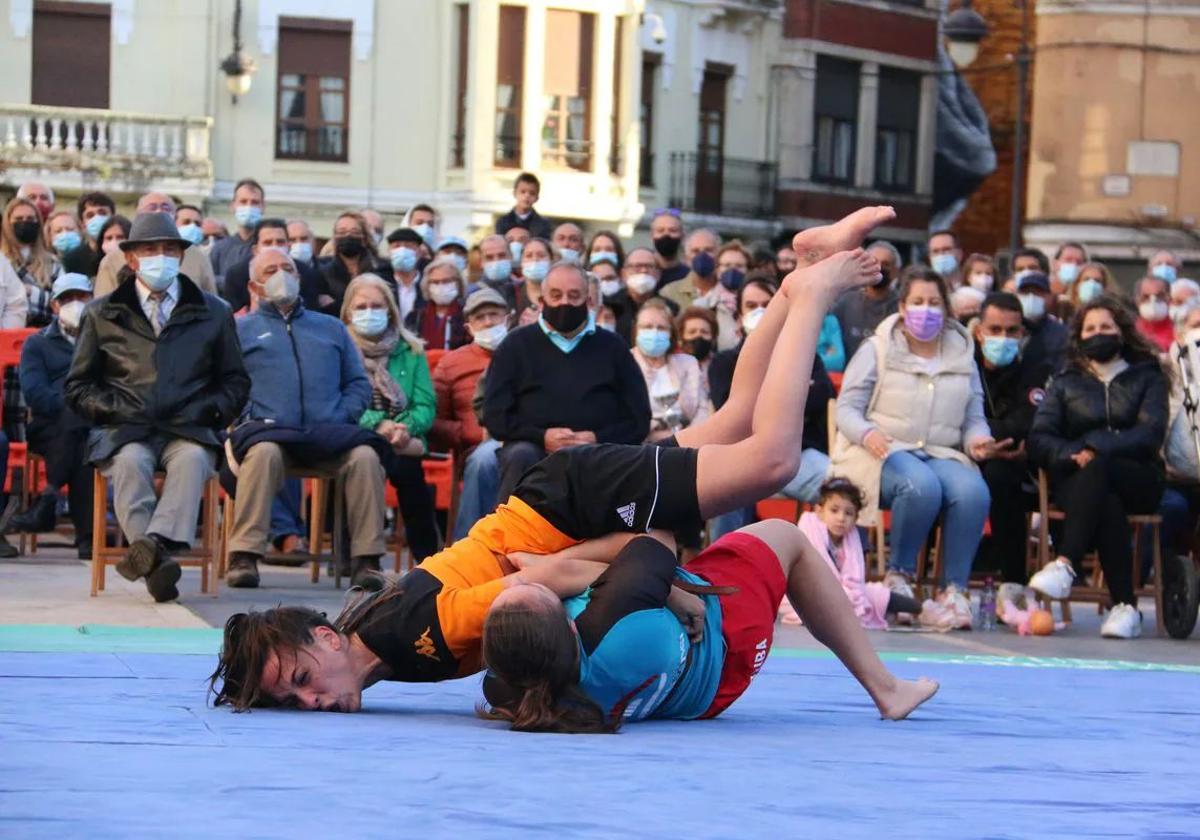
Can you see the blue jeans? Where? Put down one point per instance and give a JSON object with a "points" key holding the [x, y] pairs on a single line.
{"points": [[481, 483], [916, 489], [286, 520], [806, 486]]}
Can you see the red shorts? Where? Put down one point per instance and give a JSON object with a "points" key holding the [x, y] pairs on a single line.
{"points": [[747, 617]]}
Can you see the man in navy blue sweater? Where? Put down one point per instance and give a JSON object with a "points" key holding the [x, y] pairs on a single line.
{"points": [[561, 382]]}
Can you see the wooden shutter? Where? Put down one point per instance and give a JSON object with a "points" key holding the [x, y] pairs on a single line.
{"points": [[71, 54]]}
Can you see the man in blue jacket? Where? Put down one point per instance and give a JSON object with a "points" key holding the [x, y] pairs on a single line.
{"points": [[54, 431], [305, 371]]}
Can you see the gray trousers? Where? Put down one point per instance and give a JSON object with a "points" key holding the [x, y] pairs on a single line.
{"points": [[262, 473], [139, 511]]}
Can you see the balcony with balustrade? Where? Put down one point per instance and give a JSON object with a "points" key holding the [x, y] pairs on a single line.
{"points": [[85, 148]]}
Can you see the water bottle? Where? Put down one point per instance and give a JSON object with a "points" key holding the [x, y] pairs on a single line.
{"points": [[987, 606]]}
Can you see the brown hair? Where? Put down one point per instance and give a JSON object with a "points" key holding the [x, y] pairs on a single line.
{"points": [[923, 274], [1135, 346], [736, 245], [40, 265], [699, 313], [533, 650], [1106, 280], [844, 487]]}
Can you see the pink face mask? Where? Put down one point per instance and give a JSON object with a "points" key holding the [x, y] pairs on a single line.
{"points": [[924, 323]]}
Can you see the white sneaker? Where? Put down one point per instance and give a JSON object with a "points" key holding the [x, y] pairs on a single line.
{"points": [[959, 604], [1123, 622], [1054, 580], [898, 582]]}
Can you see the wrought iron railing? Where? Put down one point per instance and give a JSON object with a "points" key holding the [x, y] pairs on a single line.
{"points": [[723, 186]]}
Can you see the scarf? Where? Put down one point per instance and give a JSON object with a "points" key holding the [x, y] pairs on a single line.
{"points": [[375, 354]]}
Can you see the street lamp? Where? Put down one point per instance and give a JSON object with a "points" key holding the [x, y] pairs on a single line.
{"points": [[964, 29], [238, 67]]}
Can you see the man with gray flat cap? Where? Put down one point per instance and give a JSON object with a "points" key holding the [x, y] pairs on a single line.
{"points": [[158, 371]]}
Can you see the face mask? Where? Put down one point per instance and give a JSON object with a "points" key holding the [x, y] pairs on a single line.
{"points": [[654, 343], [301, 251], [426, 233], [25, 232], [982, 282], [1164, 272], [668, 246], [459, 261], [110, 246], [443, 294], [565, 318], [752, 319], [158, 272], [282, 288], [490, 338], [376, 237], [923, 323], [350, 246], [1176, 310], [497, 271], [536, 270], [641, 284], [944, 264], [1021, 275], [1033, 306], [1102, 347], [608, 326], [603, 256], [731, 278], [66, 241], [515, 249], [191, 232], [369, 322], [69, 314], [1068, 273], [1153, 310], [95, 223], [404, 259], [999, 350], [1090, 289], [700, 348], [608, 288], [247, 215], [568, 255], [704, 264]]}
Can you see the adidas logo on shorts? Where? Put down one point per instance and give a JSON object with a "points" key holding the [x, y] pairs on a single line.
{"points": [[627, 513]]}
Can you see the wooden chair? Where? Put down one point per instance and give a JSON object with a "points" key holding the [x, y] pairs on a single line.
{"points": [[1092, 588], [33, 482], [205, 555], [11, 344], [443, 470]]}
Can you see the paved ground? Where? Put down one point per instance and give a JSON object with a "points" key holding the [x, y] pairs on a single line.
{"points": [[52, 588]]}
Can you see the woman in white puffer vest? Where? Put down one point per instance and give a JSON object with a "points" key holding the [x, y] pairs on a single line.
{"points": [[911, 424]]}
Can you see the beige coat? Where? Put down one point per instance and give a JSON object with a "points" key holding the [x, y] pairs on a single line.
{"points": [[195, 266], [931, 405]]}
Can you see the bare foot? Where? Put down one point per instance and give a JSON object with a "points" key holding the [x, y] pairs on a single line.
{"points": [[900, 700], [836, 274], [815, 244]]}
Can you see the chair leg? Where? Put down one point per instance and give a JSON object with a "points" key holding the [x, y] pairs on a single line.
{"points": [[338, 524], [316, 513], [99, 529], [226, 533], [1156, 535]]}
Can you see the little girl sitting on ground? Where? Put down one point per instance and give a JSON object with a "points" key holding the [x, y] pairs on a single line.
{"points": [[832, 530]]}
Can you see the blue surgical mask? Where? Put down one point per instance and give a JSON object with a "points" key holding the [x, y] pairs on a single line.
{"points": [[515, 249], [192, 233], [654, 343], [731, 278], [999, 350], [158, 272], [1164, 272], [404, 259], [426, 232], [1090, 289], [568, 255], [95, 223], [498, 270], [944, 264], [704, 264], [247, 215], [369, 322], [603, 256], [1068, 273], [1033, 306], [536, 270], [66, 241], [459, 260], [301, 251]]}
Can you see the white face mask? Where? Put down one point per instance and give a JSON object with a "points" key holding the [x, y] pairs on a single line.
{"points": [[1153, 310], [1033, 306], [982, 282], [641, 284], [443, 294], [489, 339], [752, 319], [69, 314]]}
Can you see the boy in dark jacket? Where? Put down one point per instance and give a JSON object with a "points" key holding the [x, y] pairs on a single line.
{"points": [[526, 190]]}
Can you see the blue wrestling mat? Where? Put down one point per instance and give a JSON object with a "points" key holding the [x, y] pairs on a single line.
{"points": [[113, 743]]}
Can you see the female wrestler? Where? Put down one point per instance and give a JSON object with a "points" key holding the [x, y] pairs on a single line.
{"points": [[429, 626]]}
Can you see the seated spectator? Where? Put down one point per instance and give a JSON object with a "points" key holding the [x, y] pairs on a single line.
{"points": [[214, 231], [751, 303], [561, 382], [353, 254], [270, 233], [14, 303], [945, 256], [305, 372], [94, 209], [54, 431], [456, 427], [26, 253], [641, 277], [1094, 280], [1014, 383], [424, 220], [1069, 258], [677, 397], [455, 249], [1181, 499], [606, 319], [568, 242], [1099, 433], [605, 247], [965, 303], [1029, 261], [62, 233], [1047, 334], [402, 402], [404, 253], [910, 427], [1153, 299], [698, 332], [497, 267], [247, 206], [979, 272], [733, 262], [701, 287], [609, 277], [516, 237], [439, 321], [114, 232], [859, 313], [300, 243], [374, 220], [537, 255], [1183, 292], [188, 221], [666, 235], [195, 265], [157, 321], [1164, 265]]}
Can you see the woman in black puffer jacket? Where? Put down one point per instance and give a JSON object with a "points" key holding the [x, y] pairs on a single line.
{"points": [[1099, 433]]}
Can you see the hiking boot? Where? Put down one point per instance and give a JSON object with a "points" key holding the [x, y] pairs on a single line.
{"points": [[367, 574], [142, 557], [160, 583], [38, 518], [243, 570], [7, 549]]}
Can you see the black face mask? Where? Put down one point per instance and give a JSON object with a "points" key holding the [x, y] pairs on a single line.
{"points": [[701, 348], [1101, 348], [668, 246], [350, 247], [25, 232], [565, 318]]}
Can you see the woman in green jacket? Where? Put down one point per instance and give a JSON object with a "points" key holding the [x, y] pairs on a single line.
{"points": [[402, 401]]}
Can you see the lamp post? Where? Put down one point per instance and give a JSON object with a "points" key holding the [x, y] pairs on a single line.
{"points": [[965, 28], [238, 67]]}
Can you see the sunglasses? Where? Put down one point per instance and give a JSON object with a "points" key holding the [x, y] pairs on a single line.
{"points": [[667, 211]]}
